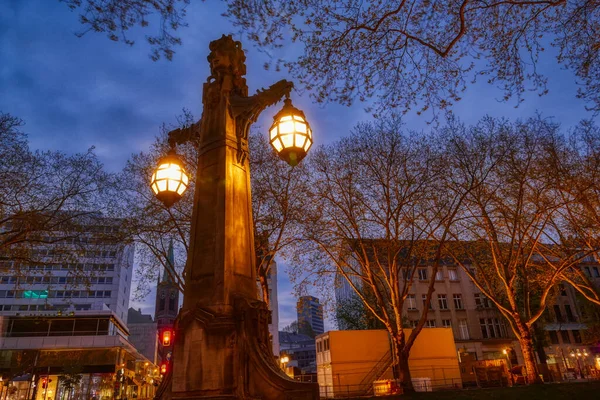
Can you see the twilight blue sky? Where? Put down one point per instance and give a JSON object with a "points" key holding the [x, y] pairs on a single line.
{"points": [[74, 93]]}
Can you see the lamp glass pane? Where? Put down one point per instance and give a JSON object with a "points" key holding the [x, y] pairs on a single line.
{"points": [[273, 133], [277, 144], [310, 133], [185, 178], [307, 145], [181, 189], [300, 127], [162, 185], [286, 127], [300, 140], [162, 173], [286, 118], [298, 118], [174, 172], [155, 188], [287, 140], [172, 185]]}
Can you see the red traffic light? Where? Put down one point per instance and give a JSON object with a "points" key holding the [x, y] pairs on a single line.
{"points": [[167, 337], [44, 383]]}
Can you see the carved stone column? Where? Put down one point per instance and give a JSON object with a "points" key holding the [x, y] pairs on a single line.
{"points": [[221, 345]]}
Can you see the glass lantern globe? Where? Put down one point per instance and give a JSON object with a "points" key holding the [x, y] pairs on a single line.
{"points": [[290, 135], [169, 180]]}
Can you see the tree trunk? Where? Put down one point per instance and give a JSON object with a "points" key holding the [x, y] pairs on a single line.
{"points": [[404, 372], [526, 342], [402, 364], [539, 343]]}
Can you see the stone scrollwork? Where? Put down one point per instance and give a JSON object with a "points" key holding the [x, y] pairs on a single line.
{"points": [[226, 94]]}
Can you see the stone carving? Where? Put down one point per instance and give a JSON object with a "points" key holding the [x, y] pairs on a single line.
{"points": [[225, 94]]}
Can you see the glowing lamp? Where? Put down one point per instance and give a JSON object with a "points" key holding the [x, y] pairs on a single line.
{"points": [[290, 135], [167, 337], [169, 180], [163, 369]]}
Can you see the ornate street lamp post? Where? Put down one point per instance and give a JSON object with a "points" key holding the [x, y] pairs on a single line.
{"points": [[221, 346]]}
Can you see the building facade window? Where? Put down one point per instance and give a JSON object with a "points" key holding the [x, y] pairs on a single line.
{"points": [[446, 323], [463, 329], [424, 298], [565, 337], [452, 275], [411, 302], [442, 301], [492, 328], [569, 313], [458, 303], [553, 337], [558, 314], [439, 276], [430, 323], [422, 274], [576, 336]]}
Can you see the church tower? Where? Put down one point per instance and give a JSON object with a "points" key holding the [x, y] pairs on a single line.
{"points": [[167, 303]]}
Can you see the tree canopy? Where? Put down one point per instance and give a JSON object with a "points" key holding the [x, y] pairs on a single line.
{"points": [[45, 197], [405, 55]]}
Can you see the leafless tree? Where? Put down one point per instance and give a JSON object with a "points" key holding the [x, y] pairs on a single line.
{"points": [[148, 222], [378, 212], [418, 54], [47, 200], [117, 17], [279, 196], [277, 192], [509, 237], [576, 170]]}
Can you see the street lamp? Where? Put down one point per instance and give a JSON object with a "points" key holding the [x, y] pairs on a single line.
{"points": [[222, 327], [290, 135], [577, 356], [169, 180], [284, 360]]}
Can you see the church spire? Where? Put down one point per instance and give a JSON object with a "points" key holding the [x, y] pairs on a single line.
{"points": [[170, 263]]}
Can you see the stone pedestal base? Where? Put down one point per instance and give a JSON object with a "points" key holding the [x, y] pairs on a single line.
{"points": [[228, 357]]}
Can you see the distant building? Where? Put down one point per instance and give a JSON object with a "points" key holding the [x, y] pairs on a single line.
{"points": [[350, 361], [310, 313], [142, 333], [479, 328], [301, 351], [66, 307], [96, 276], [481, 331], [167, 305], [94, 342]]}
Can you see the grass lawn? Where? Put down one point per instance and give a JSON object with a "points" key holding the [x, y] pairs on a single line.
{"points": [[574, 391]]}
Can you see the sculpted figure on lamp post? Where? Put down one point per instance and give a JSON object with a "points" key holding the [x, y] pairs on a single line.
{"points": [[225, 97]]}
